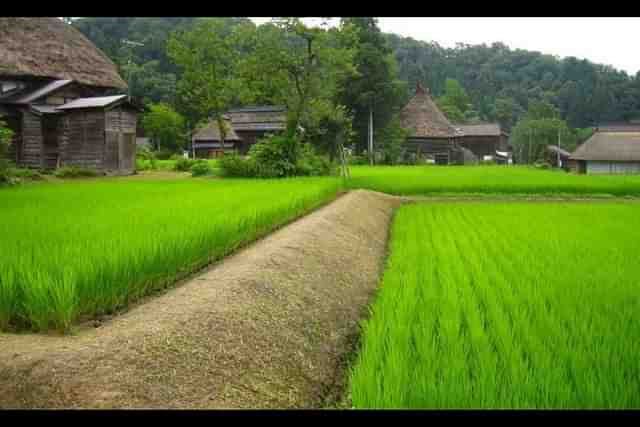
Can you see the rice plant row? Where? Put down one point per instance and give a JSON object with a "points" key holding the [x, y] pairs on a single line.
{"points": [[508, 305], [70, 251], [491, 180]]}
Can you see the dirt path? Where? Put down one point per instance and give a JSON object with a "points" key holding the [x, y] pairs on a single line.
{"points": [[269, 327]]}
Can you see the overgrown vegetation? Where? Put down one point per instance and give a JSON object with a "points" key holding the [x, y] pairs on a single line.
{"points": [[486, 306], [74, 172], [276, 156], [119, 239], [6, 135]]}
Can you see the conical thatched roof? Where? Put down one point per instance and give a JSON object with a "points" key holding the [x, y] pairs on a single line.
{"points": [[211, 132], [48, 47], [424, 118]]}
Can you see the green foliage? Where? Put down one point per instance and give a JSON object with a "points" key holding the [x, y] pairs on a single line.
{"points": [[456, 103], [201, 168], [277, 156], [183, 164], [391, 140], [375, 86], [121, 239], [74, 172], [164, 154], [206, 57], [536, 331], [6, 135], [145, 159], [235, 166], [165, 126]]}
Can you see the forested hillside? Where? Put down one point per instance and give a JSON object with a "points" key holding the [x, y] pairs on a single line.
{"points": [[501, 82]]}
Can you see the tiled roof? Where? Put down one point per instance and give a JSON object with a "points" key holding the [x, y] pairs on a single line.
{"points": [[481, 129]]}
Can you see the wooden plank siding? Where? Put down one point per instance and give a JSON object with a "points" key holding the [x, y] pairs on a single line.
{"points": [[31, 155], [84, 143], [120, 140]]}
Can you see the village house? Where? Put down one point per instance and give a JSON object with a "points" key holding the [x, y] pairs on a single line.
{"points": [[558, 158], [434, 138], [245, 126], [487, 141], [612, 149], [59, 94]]}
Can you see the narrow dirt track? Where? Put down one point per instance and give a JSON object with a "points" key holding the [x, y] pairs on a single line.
{"points": [[268, 327]]}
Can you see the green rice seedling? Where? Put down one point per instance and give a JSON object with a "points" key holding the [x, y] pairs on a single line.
{"points": [[75, 250], [506, 305], [489, 180]]}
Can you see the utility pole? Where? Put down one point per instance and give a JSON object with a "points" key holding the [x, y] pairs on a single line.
{"points": [[559, 159], [371, 135]]}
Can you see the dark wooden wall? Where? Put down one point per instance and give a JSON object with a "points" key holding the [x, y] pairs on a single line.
{"points": [[84, 141], [120, 142], [481, 145], [31, 155]]}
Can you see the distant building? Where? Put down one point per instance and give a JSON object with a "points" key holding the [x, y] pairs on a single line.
{"points": [[485, 140], [58, 93], [435, 138], [612, 149], [432, 135], [558, 158], [245, 127], [207, 141]]}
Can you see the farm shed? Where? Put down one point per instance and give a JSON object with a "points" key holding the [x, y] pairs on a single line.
{"points": [[54, 87], [610, 150], [255, 122], [557, 157], [247, 125], [432, 135], [483, 139], [207, 141]]}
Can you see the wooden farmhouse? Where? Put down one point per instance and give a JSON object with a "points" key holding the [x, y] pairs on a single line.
{"points": [[435, 138], [485, 140], [245, 126], [59, 94], [612, 149]]}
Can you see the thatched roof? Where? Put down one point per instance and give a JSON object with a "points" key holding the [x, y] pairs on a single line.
{"points": [[424, 118], [614, 146], [480, 129], [48, 47], [211, 132], [261, 118], [556, 149]]}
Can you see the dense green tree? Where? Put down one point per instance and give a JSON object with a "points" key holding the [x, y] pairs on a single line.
{"points": [[165, 126], [375, 88], [206, 59], [456, 104]]}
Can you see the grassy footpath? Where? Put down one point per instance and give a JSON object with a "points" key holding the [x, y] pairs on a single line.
{"points": [[75, 249], [506, 306], [513, 180]]}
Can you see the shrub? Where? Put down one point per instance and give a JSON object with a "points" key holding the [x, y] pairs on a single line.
{"points": [[358, 160], [201, 168], [145, 159], [311, 164], [542, 165], [275, 156], [232, 165], [164, 154], [74, 172], [183, 165], [26, 173]]}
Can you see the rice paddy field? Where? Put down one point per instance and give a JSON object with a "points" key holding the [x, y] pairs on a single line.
{"points": [[509, 180], [506, 305], [76, 250]]}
